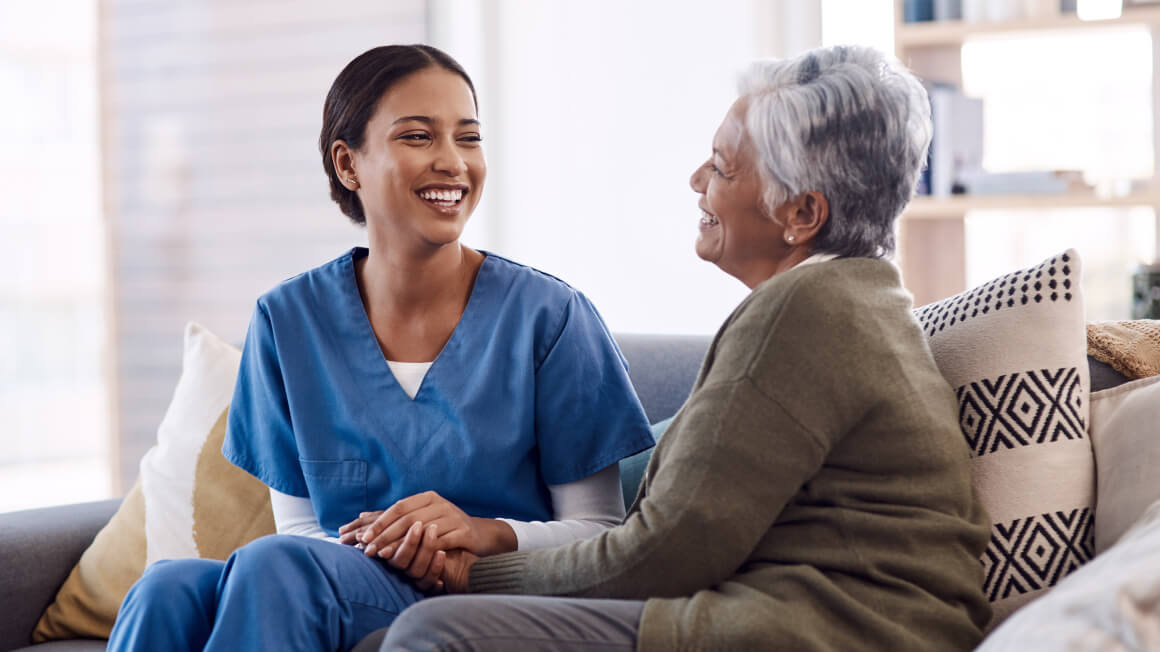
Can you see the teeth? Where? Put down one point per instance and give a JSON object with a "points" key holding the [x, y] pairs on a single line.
{"points": [[451, 196], [708, 219]]}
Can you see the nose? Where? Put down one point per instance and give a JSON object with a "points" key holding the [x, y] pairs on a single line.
{"points": [[697, 181], [448, 160]]}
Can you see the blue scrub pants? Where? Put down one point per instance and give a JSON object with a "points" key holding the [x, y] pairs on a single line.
{"points": [[279, 592]]}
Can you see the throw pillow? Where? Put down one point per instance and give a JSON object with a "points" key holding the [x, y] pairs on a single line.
{"points": [[1113, 603], [1015, 352], [1126, 437], [188, 501]]}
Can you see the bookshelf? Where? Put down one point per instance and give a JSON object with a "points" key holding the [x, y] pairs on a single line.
{"points": [[931, 232]]}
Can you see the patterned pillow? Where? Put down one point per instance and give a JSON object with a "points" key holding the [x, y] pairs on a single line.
{"points": [[1015, 352], [188, 502]]}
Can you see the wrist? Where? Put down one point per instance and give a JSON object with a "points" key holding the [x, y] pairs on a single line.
{"points": [[498, 536]]}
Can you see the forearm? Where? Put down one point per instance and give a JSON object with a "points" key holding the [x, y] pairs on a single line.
{"points": [[581, 509], [295, 515]]}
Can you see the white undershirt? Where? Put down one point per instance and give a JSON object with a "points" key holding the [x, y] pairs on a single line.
{"points": [[582, 509], [817, 258]]}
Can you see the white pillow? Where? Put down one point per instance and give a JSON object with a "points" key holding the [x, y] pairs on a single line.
{"points": [[1126, 437], [1015, 351], [1111, 604]]}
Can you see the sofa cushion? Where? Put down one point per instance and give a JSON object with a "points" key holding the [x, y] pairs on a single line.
{"points": [[1015, 351], [1125, 430], [188, 501]]}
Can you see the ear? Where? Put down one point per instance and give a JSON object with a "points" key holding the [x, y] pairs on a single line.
{"points": [[807, 214], [342, 156]]}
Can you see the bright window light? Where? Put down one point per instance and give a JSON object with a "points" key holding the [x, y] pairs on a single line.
{"points": [[1099, 9]]}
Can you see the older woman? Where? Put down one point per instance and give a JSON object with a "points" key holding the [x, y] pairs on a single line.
{"points": [[813, 492]]}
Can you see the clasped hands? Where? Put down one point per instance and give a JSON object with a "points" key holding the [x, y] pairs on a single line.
{"points": [[430, 539]]}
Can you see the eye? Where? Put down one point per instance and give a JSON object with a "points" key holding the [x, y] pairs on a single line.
{"points": [[471, 139], [416, 136], [717, 171]]}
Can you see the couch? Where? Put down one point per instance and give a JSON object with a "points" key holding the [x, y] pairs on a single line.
{"points": [[40, 546]]}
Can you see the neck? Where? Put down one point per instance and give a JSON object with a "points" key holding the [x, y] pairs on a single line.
{"points": [[759, 275], [404, 282]]}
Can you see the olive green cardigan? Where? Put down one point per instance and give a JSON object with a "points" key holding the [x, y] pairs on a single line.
{"points": [[812, 494]]}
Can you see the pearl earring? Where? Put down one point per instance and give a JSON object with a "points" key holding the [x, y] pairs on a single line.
{"points": [[789, 239]]}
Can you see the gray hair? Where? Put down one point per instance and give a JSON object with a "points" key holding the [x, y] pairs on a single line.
{"points": [[846, 122]]}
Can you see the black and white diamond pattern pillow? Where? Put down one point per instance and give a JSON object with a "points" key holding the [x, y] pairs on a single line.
{"points": [[1015, 352]]}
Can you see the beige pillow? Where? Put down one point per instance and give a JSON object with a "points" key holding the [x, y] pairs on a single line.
{"points": [[188, 501], [1126, 438], [1015, 351]]}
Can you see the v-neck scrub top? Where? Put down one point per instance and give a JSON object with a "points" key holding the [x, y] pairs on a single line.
{"points": [[529, 390]]}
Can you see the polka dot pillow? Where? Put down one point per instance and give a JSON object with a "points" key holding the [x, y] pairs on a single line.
{"points": [[1015, 351]]}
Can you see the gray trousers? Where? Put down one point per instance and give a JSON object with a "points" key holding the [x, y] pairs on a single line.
{"points": [[512, 622]]}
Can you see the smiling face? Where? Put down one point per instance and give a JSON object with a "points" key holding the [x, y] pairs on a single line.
{"points": [[420, 171], [736, 233]]}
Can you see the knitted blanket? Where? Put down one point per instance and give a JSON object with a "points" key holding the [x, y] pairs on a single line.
{"points": [[1130, 347]]}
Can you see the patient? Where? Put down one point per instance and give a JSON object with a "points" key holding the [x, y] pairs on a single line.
{"points": [[416, 392], [813, 493]]}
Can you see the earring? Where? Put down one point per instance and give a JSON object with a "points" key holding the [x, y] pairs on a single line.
{"points": [[789, 239], [354, 182]]}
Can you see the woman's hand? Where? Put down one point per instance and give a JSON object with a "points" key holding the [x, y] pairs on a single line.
{"points": [[419, 557], [457, 570], [432, 570], [381, 532]]}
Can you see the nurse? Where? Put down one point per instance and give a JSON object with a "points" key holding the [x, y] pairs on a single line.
{"points": [[415, 391]]}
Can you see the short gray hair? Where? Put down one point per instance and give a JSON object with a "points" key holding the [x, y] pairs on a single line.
{"points": [[849, 123]]}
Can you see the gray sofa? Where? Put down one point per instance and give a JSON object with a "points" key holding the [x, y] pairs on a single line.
{"points": [[39, 547]]}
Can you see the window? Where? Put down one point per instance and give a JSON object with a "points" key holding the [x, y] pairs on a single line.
{"points": [[54, 403]]}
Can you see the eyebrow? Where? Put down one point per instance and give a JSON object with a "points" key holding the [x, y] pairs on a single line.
{"points": [[428, 120]]}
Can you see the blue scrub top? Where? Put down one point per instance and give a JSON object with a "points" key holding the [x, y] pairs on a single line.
{"points": [[529, 391]]}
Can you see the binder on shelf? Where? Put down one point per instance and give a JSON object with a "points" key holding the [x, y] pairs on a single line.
{"points": [[948, 9], [917, 11], [956, 147]]}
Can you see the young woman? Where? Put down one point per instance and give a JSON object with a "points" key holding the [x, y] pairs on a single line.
{"points": [[416, 391]]}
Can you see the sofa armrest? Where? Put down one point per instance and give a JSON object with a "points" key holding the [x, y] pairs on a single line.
{"points": [[39, 547]]}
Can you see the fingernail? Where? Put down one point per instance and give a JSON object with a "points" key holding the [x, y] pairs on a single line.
{"points": [[371, 550], [387, 552]]}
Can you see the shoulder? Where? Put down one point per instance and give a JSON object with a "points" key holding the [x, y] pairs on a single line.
{"points": [[531, 291], [301, 290], [526, 278], [837, 285], [840, 307]]}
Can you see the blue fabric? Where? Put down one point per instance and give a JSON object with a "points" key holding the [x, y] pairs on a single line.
{"points": [[530, 390], [277, 593]]}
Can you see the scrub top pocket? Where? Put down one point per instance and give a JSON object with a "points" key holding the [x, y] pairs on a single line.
{"points": [[338, 490]]}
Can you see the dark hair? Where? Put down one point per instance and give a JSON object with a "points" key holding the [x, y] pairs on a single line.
{"points": [[356, 92]]}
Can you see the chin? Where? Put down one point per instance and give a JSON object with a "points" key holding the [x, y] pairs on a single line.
{"points": [[706, 253]]}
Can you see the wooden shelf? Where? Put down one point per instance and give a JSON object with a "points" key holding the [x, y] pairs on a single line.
{"points": [[955, 32], [952, 208]]}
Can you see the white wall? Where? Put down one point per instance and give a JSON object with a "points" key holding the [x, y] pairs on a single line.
{"points": [[595, 114]]}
